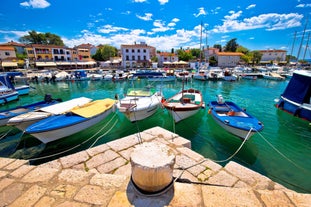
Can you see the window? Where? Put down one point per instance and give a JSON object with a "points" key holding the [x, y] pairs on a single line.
{"points": [[138, 50], [138, 58], [127, 57], [133, 57], [133, 50], [126, 50], [7, 53], [145, 51], [145, 58]]}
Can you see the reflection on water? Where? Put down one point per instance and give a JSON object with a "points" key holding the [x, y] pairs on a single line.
{"points": [[289, 135]]}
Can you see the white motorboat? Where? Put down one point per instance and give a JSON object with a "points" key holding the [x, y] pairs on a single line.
{"points": [[139, 104]]}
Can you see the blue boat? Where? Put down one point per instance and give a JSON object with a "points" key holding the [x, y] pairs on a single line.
{"points": [[78, 119], [7, 92], [296, 96], [5, 115], [234, 119]]}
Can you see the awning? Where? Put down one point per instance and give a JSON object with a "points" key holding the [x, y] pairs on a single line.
{"points": [[45, 64], [65, 63], [9, 64], [86, 63]]}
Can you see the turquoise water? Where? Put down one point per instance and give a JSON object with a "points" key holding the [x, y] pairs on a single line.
{"points": [[281, 151]]}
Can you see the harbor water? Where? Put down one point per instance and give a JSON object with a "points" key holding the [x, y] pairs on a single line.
{"points": [[282, 151]]}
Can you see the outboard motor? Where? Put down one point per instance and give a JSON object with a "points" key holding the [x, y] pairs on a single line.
{"points": [[48, 98], [220, 99]]}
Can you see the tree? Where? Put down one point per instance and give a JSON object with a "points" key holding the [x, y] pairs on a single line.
{"points": [[242, 50], [218, 46], [212, 61], [231, 46], [41, 38], [184, 55], [256, 57], [104, 53]]}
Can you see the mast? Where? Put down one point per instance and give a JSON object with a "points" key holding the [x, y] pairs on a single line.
{"points": [[304, 55], [291, 52], [303, 35], [201, 44]]}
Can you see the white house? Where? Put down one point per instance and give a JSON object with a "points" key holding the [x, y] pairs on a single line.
{"points": [[275, 56], [137, 55], [228, 59]]}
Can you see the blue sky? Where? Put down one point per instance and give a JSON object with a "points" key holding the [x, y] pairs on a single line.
{"points": [[165, 24]]}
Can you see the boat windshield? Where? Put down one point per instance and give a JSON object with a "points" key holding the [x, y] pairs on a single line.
{"points": [[139, 92]]}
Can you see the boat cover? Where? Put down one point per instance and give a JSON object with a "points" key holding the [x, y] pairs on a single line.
{"points": [[93, 108], [299, 88], [66, 106]]}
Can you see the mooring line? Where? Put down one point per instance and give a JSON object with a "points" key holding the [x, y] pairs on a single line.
{"points": [[289, 160], [62, 152]]}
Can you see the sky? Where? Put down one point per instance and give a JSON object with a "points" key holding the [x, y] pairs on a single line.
{"points": [[164, 24]]}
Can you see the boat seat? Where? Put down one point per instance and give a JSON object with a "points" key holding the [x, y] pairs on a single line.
{"points": [[222, 109]]}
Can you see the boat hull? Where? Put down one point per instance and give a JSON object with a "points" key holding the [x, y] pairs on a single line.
{"points": [[300, 110], [58, 133], [6, 115], [235, 131], [23, 90], [8, 97], [139, 108], [184, 104], [181, 115], [234, 120]]}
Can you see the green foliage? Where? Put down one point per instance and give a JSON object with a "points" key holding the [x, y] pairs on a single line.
{"points": [[218, 46], [104, 53], [242, 49], [212, 61], [184, 55], [256, 57], [41, 38], [231, 46], [154, 59]]}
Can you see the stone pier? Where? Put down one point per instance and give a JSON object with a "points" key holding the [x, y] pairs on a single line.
{"points": [[100, 176]]}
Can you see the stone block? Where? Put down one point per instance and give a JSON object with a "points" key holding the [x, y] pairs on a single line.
{"points": [[30, 197], [74, 159], [39, 175]]}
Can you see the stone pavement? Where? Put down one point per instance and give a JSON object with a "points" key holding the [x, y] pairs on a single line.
{"points": [[100, 176]]}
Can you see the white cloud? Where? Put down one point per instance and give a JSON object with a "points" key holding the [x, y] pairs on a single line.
{"points": [[303, 5], [251, 6], [270, 21], [139, 1], [137, 32], [175, 20], [109, 28], [147, 17], [36, 4], [201, 12], [160, 26], [162, 2]]}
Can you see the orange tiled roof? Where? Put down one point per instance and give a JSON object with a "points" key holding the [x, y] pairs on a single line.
{"points": [[11, 48], [229, 54]]}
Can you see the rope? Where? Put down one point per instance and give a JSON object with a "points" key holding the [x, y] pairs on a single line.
{"points": [[289, 160], [4, 134], [48, 156]]}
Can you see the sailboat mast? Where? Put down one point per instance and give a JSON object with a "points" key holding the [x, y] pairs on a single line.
{"points": [[303, 35], [291, 52], [304, 55], [201, 45]]}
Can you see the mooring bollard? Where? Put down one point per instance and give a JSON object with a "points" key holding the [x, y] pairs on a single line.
{"points": [[152, 167]]}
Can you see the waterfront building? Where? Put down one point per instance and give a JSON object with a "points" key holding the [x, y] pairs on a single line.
{"points": [[166, 58], [273, 56], [7, 57], [228, 59], [137, 55]]}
